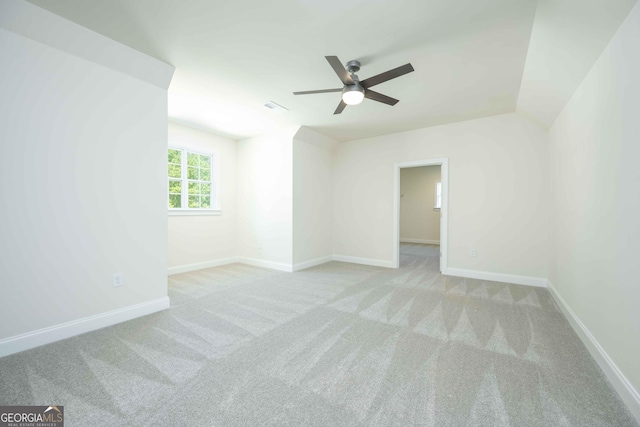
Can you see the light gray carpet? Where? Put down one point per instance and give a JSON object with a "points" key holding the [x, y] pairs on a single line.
{"points": [[335, 345]]}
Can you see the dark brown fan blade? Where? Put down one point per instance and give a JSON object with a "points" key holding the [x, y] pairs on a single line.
{"points": [[388, 75], [311, 92], [340, 107], [380, 97], [342, 72]]}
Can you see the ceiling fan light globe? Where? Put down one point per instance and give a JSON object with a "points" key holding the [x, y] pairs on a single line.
{"points": [[352, 95]]}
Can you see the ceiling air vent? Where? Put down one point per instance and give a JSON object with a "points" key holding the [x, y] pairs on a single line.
{"points": [[275, 107]]}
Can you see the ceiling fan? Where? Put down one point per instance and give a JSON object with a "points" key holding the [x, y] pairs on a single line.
{"points": [[354, 90]]}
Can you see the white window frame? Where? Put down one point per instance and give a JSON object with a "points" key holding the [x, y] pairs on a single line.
{"points": [[214, 208], [437, 203]]}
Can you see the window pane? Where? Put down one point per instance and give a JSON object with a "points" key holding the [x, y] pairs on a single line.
{"points": [[205, 189], [174, 201], [194, 201], [205, 161], [197, 179], [175, 187], [194, 188], [175, 156], [193, 173], [205, 174], [175, 171], [192, 159]]}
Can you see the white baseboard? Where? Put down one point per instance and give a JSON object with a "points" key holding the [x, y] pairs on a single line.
{"points": [[266, 264], [312, 263], [365, 261], [497, 277], [277, 265], [421, 241], [59, 332], [249, 261], [620, 383], [201, 265]]}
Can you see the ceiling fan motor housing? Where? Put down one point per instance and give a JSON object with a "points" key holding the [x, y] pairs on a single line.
{"points": [[353, 66]]}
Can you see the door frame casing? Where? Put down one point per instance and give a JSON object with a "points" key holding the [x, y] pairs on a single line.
{"points": [[443, 162]]}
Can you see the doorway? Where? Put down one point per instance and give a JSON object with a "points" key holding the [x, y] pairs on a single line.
{"points": [[427, 189]]}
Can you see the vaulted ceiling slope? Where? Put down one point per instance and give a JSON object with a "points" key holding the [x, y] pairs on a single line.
{"points": [[568, 37], [232, 57]]}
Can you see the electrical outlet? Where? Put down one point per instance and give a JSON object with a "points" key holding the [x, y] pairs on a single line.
{"points": [[118, 280], [473, 252]]}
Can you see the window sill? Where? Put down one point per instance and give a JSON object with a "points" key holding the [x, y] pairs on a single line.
{"points": [[194, 212]]}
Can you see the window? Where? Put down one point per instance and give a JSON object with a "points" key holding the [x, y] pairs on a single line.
{"points": [[191, 182], [438, 202]]}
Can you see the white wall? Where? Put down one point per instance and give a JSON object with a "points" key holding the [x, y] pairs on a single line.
{"points": [[498, 198], [312, 196], [198, 240], [265, 199], [419, 221], [83, 172], [596, 178]]}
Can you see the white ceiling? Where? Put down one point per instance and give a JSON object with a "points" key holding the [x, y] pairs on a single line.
{"points": [[232, 57]]}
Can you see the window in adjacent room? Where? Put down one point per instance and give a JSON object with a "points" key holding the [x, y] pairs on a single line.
{"points": [[191, 182], [438, 201]]}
